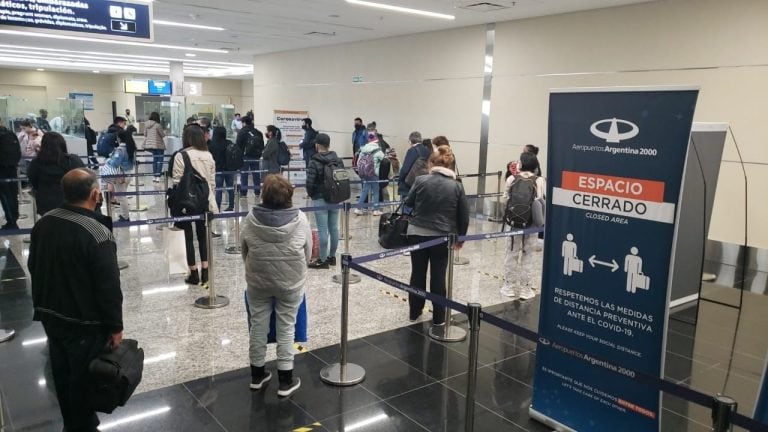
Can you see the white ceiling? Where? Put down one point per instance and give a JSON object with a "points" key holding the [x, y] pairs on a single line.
{"points": [[261, 26]]}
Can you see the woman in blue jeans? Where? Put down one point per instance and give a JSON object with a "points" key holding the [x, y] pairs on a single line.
{"points": [[327, 220], [153, 143]]}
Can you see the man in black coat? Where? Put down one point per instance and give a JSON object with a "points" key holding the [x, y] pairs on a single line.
{"points": [[10, 155], [76, 292], [308, 143]]}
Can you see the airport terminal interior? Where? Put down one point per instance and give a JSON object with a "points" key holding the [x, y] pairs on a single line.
{"points": [[491, 77]]}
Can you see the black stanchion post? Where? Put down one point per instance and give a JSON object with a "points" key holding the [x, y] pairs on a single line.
{"points": [[474, 341], [211, 301], [136, 185], [353, 278], [722, 408], [235, 249], [165, 205], [496, 213], [122, 265], [447, 332], [343, 373], [28, 239]]}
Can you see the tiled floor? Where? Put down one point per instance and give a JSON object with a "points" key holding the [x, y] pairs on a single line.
{"points": [[197, 377]]}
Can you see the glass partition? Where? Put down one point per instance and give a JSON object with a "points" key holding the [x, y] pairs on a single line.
{"points": [[225, 116], [67, 117], [4, 109], [171, 115], [27, 108]]}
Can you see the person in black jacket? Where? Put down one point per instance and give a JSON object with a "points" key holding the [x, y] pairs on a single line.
{"points": [[269, 157], [10, 155], [251, 154], [47, 169], [439, 208], [327, 220], [76, 292], [308, 143], [218, 147]]}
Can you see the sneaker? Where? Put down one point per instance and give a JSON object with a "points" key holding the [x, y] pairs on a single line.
{"points": [[406, 253], [259, 377], [376, 213], [123, 219], [215, 235], [193, 278], [288, 386], [156, 180], [526, 293], [204, 277], [317, 264], [10, 226], [6, 335], [360, 211], [331, 261], [229, 209], [414, 317], [508, 291]]}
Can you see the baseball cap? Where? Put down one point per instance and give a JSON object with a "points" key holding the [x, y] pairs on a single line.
{"points": [[322, 139]]}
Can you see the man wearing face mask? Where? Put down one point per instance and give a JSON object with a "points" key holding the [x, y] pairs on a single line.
{"points": [[76, 292], [358, 136], [308, 143]]}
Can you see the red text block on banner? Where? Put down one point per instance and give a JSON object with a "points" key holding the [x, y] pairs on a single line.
{"points": [[638, 189]]}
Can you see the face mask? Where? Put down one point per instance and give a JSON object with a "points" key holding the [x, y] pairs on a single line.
{"points": [[304, 127]]}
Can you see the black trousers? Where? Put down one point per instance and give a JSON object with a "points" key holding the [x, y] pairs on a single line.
{"points": [[434, 259], [9, 195], [70, 357], [202, 240]]}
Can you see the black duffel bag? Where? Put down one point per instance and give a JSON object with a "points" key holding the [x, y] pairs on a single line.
{"points": [[393, 228], [114, 376]]}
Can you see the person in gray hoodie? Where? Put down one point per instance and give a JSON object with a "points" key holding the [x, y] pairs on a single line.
{"points": [[276, 242]]}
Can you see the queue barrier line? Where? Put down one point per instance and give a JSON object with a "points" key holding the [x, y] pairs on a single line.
{"points": [[394, 252], [486, 195], [489, 174], [154, 192], [501, 234]]}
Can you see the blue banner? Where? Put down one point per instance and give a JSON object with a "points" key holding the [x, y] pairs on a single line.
{"points": [[615, 161], [761, 407], [105, 18]]}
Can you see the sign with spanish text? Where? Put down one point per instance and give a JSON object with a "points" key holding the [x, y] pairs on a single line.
{"points": [[616, 159], [289, 122], [100, 18]]}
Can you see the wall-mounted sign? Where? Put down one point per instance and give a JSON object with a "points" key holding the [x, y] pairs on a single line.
{"points": [[192, 88], [85, 98], [159, 87], [98, 18], [137, 86]]}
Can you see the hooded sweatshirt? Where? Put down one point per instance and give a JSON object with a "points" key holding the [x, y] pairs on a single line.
{"points": [[276, 247]]}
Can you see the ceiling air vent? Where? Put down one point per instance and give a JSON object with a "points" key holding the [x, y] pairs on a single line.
{"points": [[484, 6], [316, 33]]}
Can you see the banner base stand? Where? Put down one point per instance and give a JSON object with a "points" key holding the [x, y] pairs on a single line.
{"points": [[342, 375], [554, 424], [449, 334], [211, 303]]}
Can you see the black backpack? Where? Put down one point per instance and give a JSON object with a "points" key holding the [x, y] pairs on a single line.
{"points": [[283, 154], [254, 145], [190, 195], [114, 375], [335, 183], [233, 156], [518, 212], [107, 143]]}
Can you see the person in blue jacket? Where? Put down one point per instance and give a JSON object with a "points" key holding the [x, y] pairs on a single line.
{"points": [[308, 143], [359, 140]]}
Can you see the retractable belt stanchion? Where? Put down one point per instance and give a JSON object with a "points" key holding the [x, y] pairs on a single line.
{"points": [[122, 265], [235, 249], [136, 185], [211, 301], [165, 205], [353, 278], [722, 408], [448, 332], [28, 239], [497, 214], [343, 373], [474, 341]]}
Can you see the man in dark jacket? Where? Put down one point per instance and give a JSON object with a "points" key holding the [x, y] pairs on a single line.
{"points": [[327, 220], [415, 151], [251, 140], [308, 143], [359, 138], [76, 292], [10, 155], [224, 178]]}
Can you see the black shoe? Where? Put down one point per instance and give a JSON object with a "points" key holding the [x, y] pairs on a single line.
{"points": [[229, 209], [331, 261], [10, 226], [413, 317], [193, 278], [259, 377], [317, 264], [123, 219], [204, 277], [288, 384], [215, 235]]}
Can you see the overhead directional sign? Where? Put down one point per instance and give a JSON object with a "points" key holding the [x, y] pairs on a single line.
{"points": [[100, 18]]}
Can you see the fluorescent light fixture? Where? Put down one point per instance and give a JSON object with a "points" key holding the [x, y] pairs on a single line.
{"points": [[178, 24], [40, 70], [133, 418], [110, 41], [41, 382], [190, 55], [366, 422], [96, 71], [162, 290], [34, 341], [401, 9], [159, 358]]}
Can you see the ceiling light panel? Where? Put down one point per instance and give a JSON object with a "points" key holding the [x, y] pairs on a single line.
{"points": [[393, 8], [187, 25]]}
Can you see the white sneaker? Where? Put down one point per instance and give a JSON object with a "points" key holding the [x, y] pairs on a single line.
{"points": [[508, 291], [376, 213], [359, 212], [526, 293]]}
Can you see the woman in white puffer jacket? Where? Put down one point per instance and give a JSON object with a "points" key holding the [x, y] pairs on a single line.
{"points": [[276, 242]]}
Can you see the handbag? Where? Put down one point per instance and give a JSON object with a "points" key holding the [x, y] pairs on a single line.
{"points": [[114, 375], [393, 228]]}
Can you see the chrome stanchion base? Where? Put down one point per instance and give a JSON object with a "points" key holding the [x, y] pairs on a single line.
{"points": [[211, 303], [353, 278], [142, 208], [134, 184], [338, 375], [495, 219], [708, 277], [447, 334], [233, 250], [122, 265], [460, 260]]}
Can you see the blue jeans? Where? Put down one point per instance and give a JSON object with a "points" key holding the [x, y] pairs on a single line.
{"points": [[229, 180], [250, 166], [157, 161], [370, 185], [327, 223]]}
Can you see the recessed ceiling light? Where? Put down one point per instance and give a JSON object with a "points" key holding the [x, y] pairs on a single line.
{"points": [[196, 26], [96, 71], [190, 55], [40, 70], [110, 41], [401, 9]]}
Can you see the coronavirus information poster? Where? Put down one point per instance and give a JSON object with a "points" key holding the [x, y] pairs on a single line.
{"points": [[615, 161]]}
